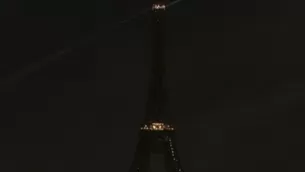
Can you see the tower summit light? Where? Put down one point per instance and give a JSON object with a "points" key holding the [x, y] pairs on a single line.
{"points": [[157, 135], [158, 7]]}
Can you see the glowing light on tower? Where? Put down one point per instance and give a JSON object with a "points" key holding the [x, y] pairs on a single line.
{"points": [[155, 126], [158, 7]]}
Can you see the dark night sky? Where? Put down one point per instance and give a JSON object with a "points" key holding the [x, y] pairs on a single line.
{"points": [[235, 73]]}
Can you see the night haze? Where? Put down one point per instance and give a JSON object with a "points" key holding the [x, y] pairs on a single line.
{"points": [[234, 73]]}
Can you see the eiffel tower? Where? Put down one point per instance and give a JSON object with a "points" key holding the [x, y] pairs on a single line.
{"points": [[156, 150]]}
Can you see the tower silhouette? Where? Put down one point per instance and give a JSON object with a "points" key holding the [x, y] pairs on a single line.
{"points": [[156, 150]]}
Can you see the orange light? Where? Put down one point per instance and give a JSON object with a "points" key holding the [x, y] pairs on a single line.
{"points": [[157, 127]]}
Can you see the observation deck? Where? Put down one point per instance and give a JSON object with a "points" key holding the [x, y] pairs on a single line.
{"points": [[157, 126]]}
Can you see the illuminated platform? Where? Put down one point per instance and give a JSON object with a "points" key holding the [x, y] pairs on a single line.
{"points": [[156, 126]]}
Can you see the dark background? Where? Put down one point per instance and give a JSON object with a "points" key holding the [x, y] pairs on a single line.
{"points": [[235, 73]]}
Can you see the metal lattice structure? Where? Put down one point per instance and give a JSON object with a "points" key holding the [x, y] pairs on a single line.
{"points": [[157, 138]]}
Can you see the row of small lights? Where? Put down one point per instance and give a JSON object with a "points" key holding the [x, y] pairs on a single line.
{"points": [[173, 153], [157, 127]]}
